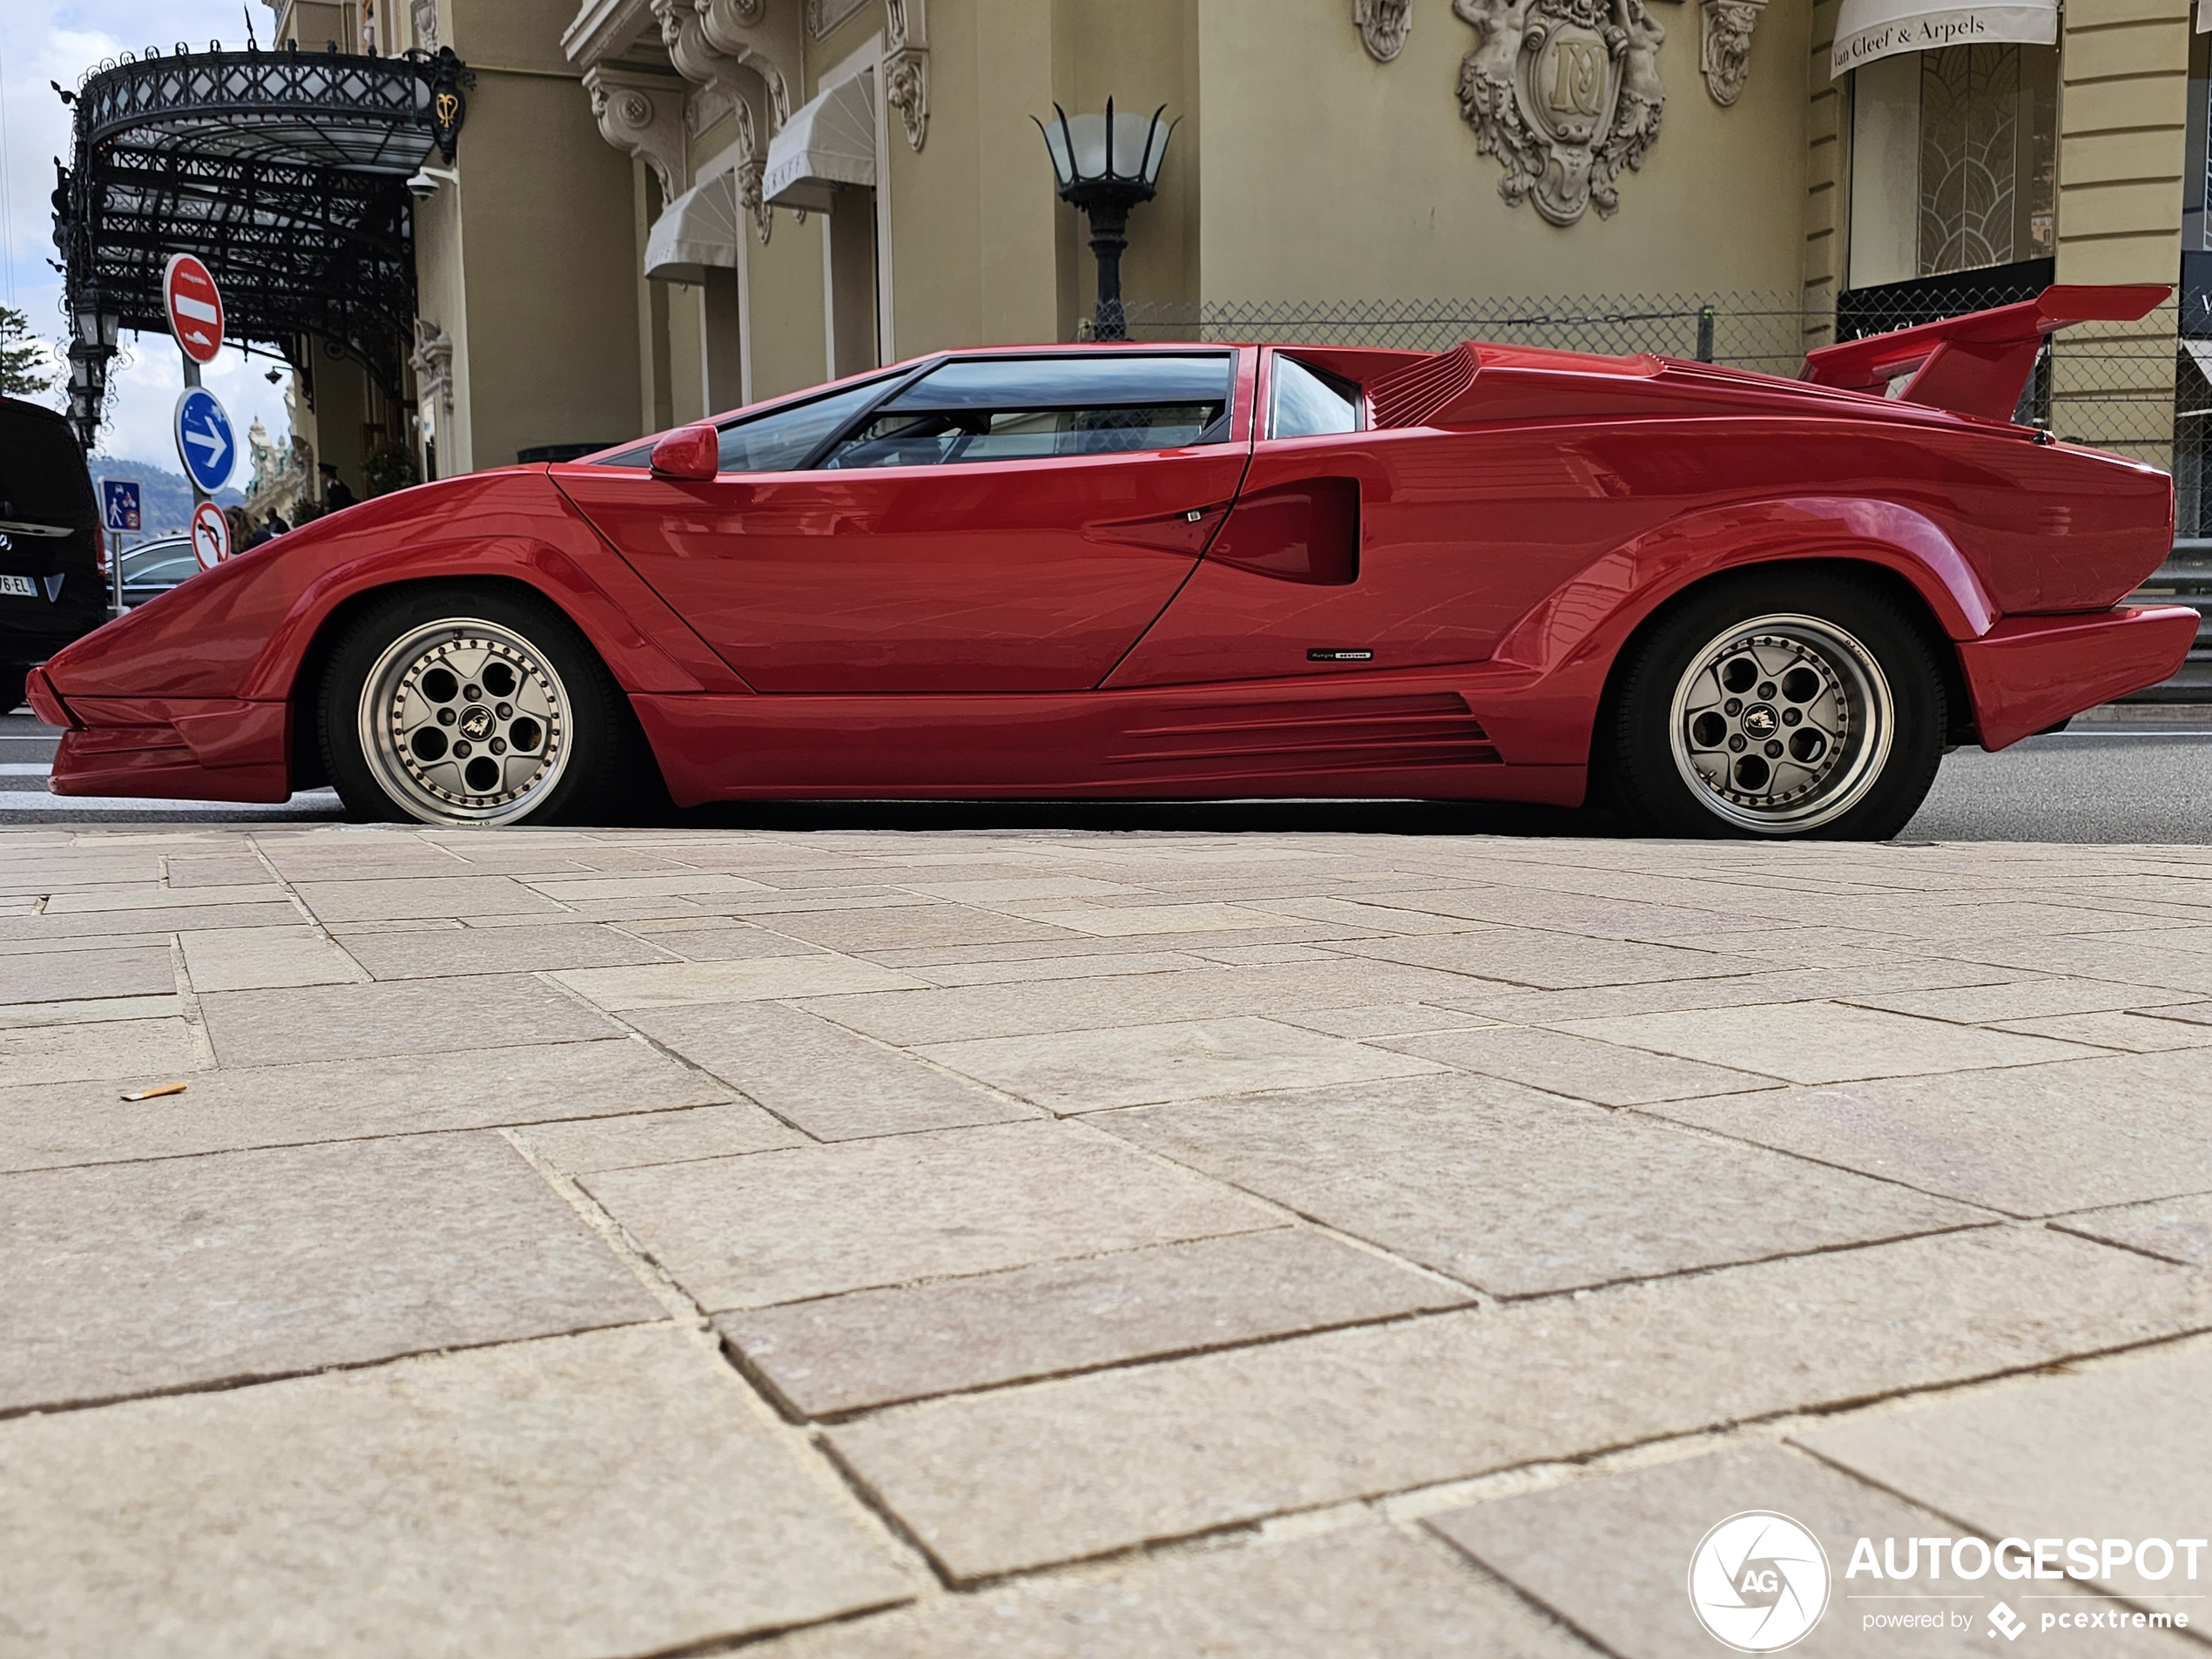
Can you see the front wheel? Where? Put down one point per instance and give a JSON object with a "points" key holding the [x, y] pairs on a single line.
{"points": [[472, 705], [1783, 703]]}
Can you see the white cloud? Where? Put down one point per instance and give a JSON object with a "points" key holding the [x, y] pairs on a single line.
{"points": [[42, 42]]}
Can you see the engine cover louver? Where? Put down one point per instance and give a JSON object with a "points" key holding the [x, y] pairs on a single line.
{"points": [[1410, 395]]}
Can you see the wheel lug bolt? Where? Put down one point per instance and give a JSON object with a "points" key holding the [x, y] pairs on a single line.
{"points": [[447, 717], [1734, 705], [1766, 690], [1774, 751], [461, 749], [505, 711], [472, 694], [1734, 742], [1790, 717], [499, 746]]}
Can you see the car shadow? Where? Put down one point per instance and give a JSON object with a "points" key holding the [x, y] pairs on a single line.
{"points": [[1249, 817]]}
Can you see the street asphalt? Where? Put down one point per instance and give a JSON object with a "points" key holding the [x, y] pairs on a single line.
{"points": [[2110, 783]]}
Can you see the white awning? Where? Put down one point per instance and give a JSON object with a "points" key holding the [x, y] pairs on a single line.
{"points": [[699, 229], [830, 140], [1867, 29]]}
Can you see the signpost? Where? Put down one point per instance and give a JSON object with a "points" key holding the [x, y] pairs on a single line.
{"points": [[210, 534]]}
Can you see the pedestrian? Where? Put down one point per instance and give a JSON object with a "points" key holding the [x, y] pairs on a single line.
{"points": [[334, 493], [241, 529]]}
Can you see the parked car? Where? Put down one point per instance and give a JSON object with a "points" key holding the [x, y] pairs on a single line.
{"points": [[1731, 602], [152, 568], [53, 555]]}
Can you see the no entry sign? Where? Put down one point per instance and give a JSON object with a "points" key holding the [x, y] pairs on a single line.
{"points": [[195, 308]]}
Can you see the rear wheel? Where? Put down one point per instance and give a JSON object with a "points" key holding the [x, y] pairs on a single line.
{"points": [[1784, 703], [473, 705]]}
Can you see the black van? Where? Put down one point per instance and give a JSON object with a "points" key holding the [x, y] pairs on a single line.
{"points": [[53, 556]]}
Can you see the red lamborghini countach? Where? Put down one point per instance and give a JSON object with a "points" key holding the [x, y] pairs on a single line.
{"points": [[1729, 602]]}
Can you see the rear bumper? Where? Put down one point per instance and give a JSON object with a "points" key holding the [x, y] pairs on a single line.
{"points": [[171, 748], [2028, 673]]}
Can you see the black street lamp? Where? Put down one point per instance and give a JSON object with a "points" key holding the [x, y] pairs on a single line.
{"points": [[1089, 153]]}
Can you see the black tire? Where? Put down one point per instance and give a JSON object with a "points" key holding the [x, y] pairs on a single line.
{"points": [[582, 758], [1683, 754], [13, 677]]}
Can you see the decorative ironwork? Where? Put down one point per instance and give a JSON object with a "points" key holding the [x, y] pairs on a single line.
{"points": [[283, 171]]}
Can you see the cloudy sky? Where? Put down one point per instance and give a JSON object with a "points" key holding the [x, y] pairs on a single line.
{"points": [[42, 42]]}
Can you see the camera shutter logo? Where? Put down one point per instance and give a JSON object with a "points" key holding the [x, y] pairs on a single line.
{"points": [[1758, 1581]]}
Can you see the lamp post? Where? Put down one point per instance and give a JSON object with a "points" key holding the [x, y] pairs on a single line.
{"points": [[1106, 164], [93, 329]]}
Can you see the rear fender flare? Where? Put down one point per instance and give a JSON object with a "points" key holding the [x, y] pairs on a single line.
{"points": [[1569, 641]]}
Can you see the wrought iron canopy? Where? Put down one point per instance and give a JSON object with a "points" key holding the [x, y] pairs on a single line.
{"points": [[283, 171]]}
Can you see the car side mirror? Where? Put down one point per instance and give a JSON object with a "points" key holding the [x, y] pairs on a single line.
{"points": [[689, 452]]}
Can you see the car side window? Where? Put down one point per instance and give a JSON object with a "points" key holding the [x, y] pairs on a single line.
{"points": [[1305, 403], [777, 440], [1027, 408]]}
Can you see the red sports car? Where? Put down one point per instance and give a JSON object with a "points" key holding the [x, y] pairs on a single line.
{"points": [[1731, 602]]}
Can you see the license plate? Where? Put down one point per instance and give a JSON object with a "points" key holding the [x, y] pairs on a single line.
{"points": [[21, 586]]}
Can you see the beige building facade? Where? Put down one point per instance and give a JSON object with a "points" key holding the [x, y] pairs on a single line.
{"points": [[664, 209]]}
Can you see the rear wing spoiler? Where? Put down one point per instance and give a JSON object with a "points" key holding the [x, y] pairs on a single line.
{"points": [[1976, 364]]}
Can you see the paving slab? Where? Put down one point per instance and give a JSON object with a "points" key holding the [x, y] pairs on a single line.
{"points": [[2020, 999], [133, 1049], [1361, 1593], [833, 1083], [1602, 1072], [2136, 1031], [842, 1353], [1527, 957], [394, 1017], [1060, 1470], [1521, 1195], [50, 927], [137, 970], [2031, 1141], [714, 939], [777, 1226], [1133, 1065], [137, 1278], [567, 1498], [2176, 1229], [580, 1146], [1645, 1525], [460, 951], [54, 1126], [388, 898], [1824, 1042], [2121, 1450], [246, 959], [683, 984]]}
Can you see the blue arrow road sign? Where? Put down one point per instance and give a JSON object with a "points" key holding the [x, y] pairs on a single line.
{"points": [[205, 441], [119, 507]]}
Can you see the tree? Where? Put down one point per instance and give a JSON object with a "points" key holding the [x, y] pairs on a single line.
{"points": [[22, 362]]}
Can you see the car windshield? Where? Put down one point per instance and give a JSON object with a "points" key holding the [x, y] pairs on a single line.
{"points": [[777, 440], [43, 479]]}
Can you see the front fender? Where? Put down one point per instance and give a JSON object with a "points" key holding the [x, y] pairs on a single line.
{"points": [[1569, 639], [242, 629]]}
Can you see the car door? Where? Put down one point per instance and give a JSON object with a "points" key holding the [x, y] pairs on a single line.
{"points": [[996, 523]]}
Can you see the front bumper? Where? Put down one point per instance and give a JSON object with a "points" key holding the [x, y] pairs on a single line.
{"points": [[2028, 673], [175, 748]]}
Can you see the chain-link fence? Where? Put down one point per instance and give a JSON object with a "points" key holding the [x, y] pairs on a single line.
{"points": [[2112, 386]]}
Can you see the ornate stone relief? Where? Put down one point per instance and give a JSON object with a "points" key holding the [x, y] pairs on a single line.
{"points": [[762, 35], [424, 14], [1383, 26], [823, 17], [432, 361], [1566, 94], [642, 114], [906, 66], [1724, 45]]}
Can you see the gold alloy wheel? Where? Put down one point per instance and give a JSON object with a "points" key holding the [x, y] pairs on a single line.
{"points": [[465, 722], [1782, 723]]}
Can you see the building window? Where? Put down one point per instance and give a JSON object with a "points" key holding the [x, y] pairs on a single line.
{"points": [[1954, 162]]}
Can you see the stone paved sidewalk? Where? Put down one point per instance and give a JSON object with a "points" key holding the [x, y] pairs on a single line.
{"points": [[1035, 1243]]}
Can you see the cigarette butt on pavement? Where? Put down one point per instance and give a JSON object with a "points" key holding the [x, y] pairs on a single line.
{"points": [[157, 1091]]}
